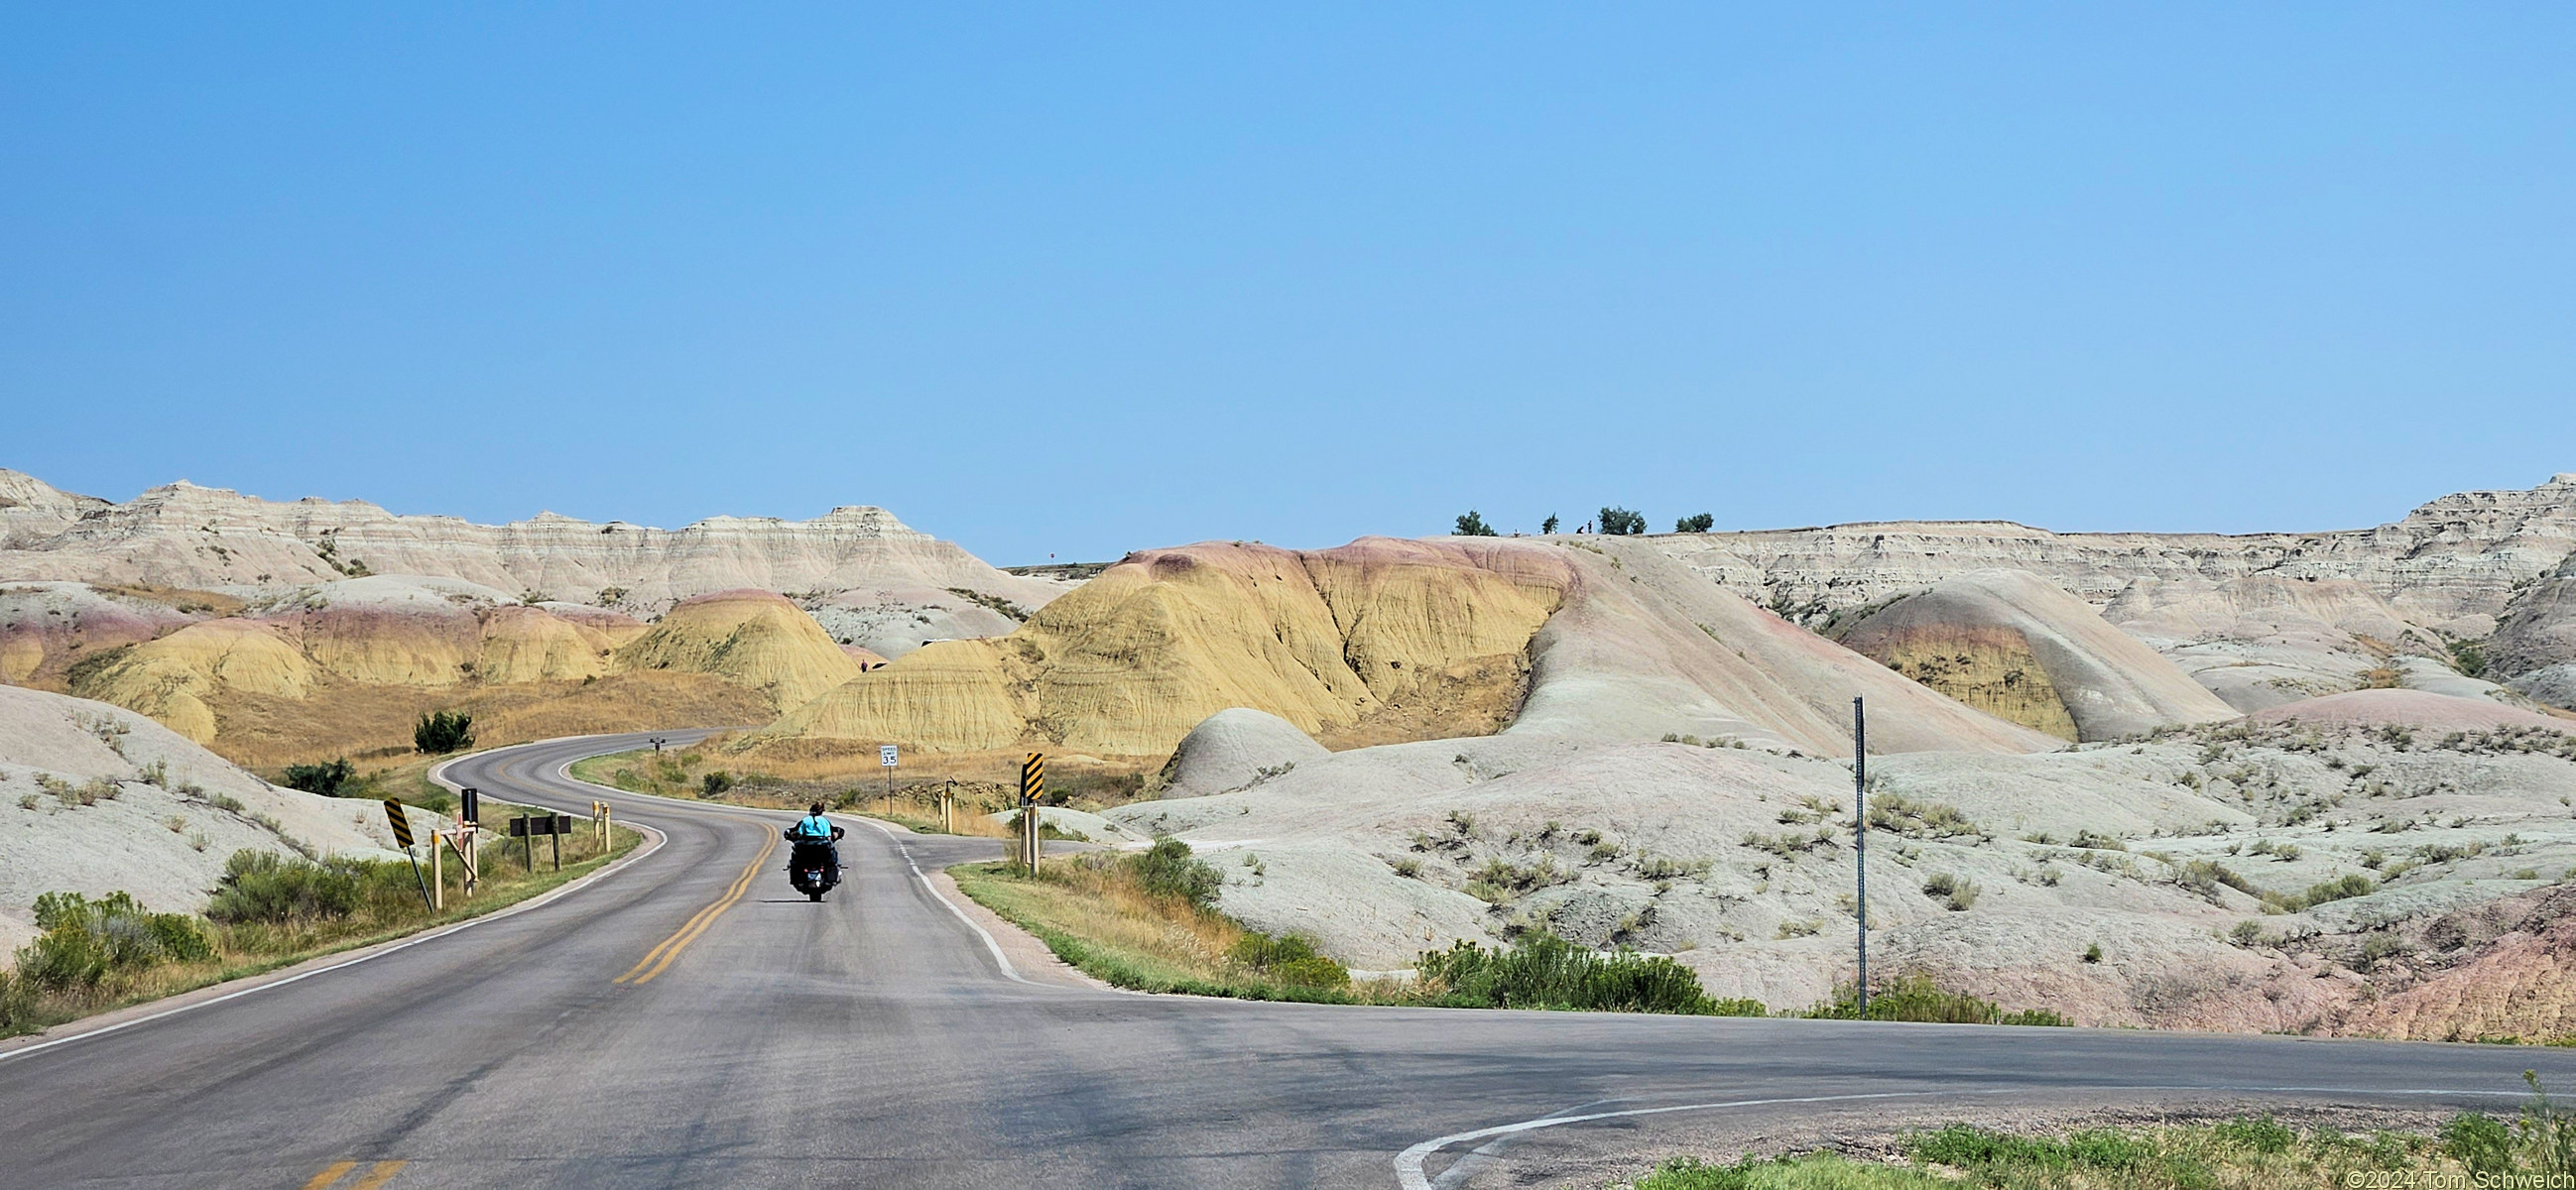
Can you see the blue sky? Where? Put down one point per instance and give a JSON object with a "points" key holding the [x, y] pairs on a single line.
{"points": [[1054, 280]]}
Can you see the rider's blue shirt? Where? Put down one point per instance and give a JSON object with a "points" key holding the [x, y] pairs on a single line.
{"points": [[814, 826]]}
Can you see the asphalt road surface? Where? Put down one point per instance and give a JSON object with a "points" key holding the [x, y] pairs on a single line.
{"points": [[874, 1040]]}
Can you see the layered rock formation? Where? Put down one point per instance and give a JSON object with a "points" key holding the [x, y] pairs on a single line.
{"points": [[2009, 644], [2538, 629], [183, 535], [280, 632], [2258, 618], [1387, 640], [754, 638], [1128, 663], [310, 672]]}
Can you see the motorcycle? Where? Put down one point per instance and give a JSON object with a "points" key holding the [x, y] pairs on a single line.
{"points": [[810, 866]]}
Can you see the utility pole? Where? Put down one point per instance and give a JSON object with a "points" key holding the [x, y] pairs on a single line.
{"points": [[1860, 841]]}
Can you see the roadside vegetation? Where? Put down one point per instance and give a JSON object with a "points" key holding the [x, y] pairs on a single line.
{"points": [[2245, 1152], [269, 911], [1148, 921]]}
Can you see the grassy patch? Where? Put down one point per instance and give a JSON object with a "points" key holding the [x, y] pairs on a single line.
{"points": [[1917, 998], [1147, 922], [2246, 1152], [1545, 971], [269, 913]]}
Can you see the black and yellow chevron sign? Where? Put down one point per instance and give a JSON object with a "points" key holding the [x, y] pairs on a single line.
{"points": [[401, 825], [1033, 776]]}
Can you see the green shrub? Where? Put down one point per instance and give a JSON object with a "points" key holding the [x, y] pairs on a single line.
{"points": [[1621, 522], [2207, 876], [2355, 885], [2479, 1141], [1959, 891], [1542, 970], [1968, 1147], [85, 942], [260, 886], [442, 732], [2470, 657], [1289, 959], [1698, 522], [715, 784], [1166, 869], [325, 779], [2261, 1134], [1473, 525], [1917, 998]]}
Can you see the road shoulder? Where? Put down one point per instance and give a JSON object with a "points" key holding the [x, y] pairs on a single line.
{"points": [[1034, 961]]}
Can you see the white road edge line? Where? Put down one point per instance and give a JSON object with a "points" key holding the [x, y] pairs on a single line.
{"points": [[1408, 1164], [990, 943], [437, 774]]}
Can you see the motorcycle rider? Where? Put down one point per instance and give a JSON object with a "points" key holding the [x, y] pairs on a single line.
{"points": [[814, 828]]}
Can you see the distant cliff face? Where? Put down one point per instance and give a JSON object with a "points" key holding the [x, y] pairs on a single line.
{"points": [[187, 536], [2448, 572], [280, 632], [2455, 558]]}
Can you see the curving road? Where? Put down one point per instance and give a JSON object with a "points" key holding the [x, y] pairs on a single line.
{"points": [[876, 1040]]}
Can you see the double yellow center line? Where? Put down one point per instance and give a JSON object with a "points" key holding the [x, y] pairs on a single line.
{"points": [[658, 958], [377, 1175]]}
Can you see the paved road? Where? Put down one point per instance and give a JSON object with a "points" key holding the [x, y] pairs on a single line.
{"points": [[873, 1041]]}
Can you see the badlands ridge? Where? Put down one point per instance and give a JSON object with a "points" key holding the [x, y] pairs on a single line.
{"points": [[2283, 781]]}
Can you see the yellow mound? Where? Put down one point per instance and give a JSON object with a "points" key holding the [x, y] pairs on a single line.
{"points": [[172, 678], [523, 644], [20, 657], [1989, 668], [390, 649], [755, 638], [1128, 663]]}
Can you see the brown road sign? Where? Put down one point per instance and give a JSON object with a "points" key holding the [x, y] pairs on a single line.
{"points": [[401, 824]]}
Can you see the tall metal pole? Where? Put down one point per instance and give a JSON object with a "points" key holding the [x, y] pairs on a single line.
{"points": [[1860, 839]]}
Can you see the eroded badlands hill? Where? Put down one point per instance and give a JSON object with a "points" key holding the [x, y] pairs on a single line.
{"points": [[852, 559], [1384, 640], [94, 799], [2011, 645], [2258, 618], [345, 667], [2358, 870], [289, 632]]}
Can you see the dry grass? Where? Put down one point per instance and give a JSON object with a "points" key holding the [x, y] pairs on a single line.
{"points": [[365, 721], [1093, 911], [1154, 937], [177, 598], [682, 773], [847, 761]]}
